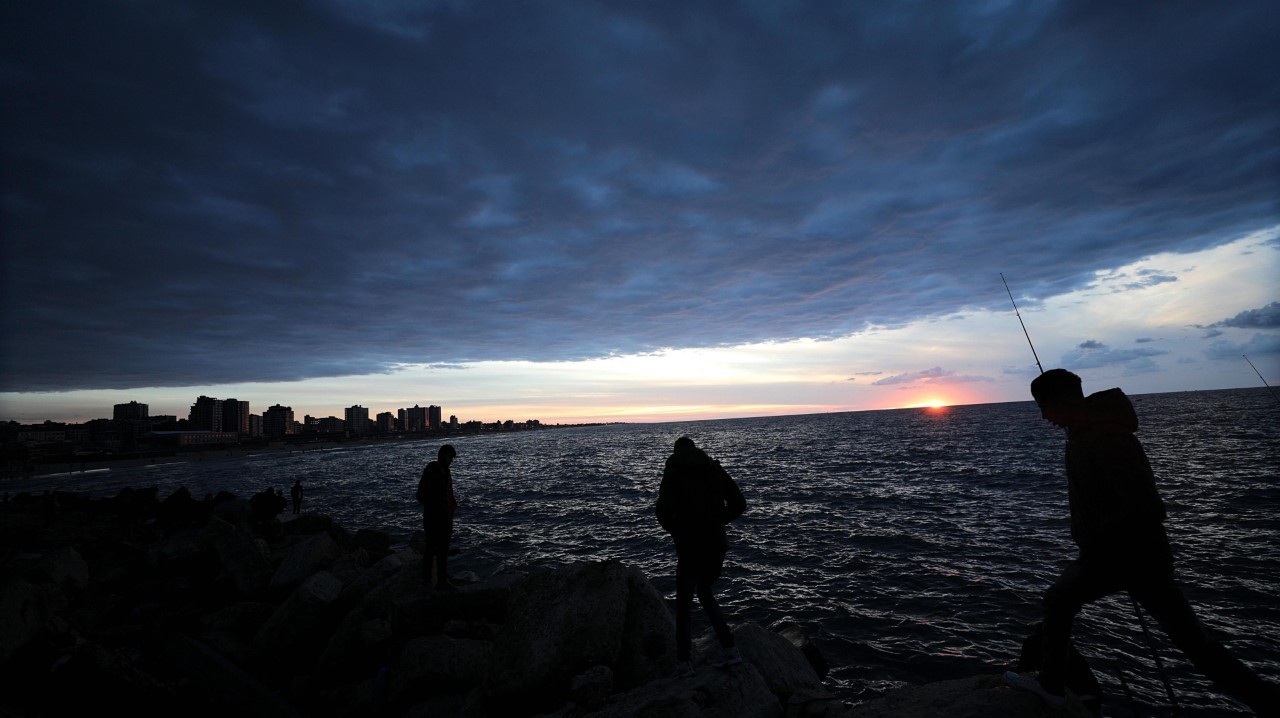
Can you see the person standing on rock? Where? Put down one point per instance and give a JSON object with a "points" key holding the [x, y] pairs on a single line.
{"points": [[295, 493], [696, 500], [1117, 520], [435, 493]]}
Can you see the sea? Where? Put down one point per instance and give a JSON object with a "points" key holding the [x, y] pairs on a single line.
{"points": [[911, 545]]}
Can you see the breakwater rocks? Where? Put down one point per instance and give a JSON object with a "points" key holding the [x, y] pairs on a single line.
{"points": [[178, 606]]}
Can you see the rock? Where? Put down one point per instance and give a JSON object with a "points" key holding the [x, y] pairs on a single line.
{"points": [[591, 690], [559, 624], [241, 555], [785, 669], [225, 688], [648, 649], [794, 633], [974, 697], [63, 566], [737, 692], [312, 554], [24, 614], [377, 543], [301, 627], [438, 665]]}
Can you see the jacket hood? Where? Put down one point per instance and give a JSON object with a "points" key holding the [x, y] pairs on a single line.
{"points": [[689, 457], [1111, 410]]}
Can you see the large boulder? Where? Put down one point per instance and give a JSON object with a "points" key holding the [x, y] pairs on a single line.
{"points": [[562, 622], [63, 566], [310, 555], [974, 697], [438, 665], [303, 624], [784, 667], [23, 608], [736, 692], [243, 558], [648, 649]]}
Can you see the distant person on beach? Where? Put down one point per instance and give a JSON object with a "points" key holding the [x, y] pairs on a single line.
{"points": [[696, 500], [435, 493], [295, 493], [1117, 520]]}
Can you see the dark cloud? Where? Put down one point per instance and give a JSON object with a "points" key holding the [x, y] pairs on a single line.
{"points": [[196, 193], [1259, 344], [1093, 354], [1267, 317], [929, 376]]}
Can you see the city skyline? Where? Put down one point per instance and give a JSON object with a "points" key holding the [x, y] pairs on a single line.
{"points": [[586, 212]]}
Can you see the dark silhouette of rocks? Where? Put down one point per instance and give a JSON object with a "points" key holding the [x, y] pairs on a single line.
{"points": [[209, 607]]}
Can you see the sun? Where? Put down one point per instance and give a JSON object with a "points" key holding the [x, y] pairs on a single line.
{"points": [[932, 403]]}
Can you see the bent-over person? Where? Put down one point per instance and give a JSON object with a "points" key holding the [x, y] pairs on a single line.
{"points": [[696, 500], [1117, 521]]}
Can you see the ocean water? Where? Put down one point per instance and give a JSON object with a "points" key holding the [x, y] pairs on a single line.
{"points": [[912, 545]]}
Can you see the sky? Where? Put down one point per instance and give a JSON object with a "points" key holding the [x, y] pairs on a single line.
{"points": [[632, 211]]}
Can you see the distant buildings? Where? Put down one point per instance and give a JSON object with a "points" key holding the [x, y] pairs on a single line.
{"points": [[277, 422], [357, 418], [133, 411], [205, 414], [134, 432], [415, 419], [235, 416], [209, 414]]}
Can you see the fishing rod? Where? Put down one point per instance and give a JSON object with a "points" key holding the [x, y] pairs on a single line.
{"points": [[1142, 621], [1024, 325], [1264, 381]]}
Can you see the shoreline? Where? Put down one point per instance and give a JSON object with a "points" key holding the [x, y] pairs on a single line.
{"points": [[78, 468]]}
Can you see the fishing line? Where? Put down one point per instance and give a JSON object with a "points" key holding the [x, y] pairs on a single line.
{"points": [[1264, 381], [1142, 621], [1024, 326], [1168, 687]]}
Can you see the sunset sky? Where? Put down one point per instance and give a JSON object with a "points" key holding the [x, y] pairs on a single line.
{"points": [[641, 211]]}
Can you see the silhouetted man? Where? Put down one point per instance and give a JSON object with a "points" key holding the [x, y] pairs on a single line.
{"points": [[295, 493], [1117, 520], [435, 493], [696, 500]]}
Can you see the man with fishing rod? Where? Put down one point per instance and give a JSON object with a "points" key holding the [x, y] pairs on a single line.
{"points": [[1117, 520]]}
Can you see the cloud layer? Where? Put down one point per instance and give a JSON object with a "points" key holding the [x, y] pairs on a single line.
{"points": [[199, 194]]}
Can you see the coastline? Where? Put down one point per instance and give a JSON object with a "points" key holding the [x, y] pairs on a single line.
{"points": [[74, 468]]}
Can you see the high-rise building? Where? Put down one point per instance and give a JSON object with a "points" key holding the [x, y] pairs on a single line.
{"points": [[277, 421], [357, 419], [255, 425], [386, 422], [433, 416], [206, 414], [235, 416], [133, 411], [453, 421], [415, 418]]}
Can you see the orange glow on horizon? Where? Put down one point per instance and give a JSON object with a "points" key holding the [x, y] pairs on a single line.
{"points": [[932, 402]]}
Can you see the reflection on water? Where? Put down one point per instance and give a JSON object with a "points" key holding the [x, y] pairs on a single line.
{"points": [[912, 544]]}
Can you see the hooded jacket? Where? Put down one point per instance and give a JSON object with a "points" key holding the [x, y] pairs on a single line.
{"points": [[1116, 511], [696, 499]]}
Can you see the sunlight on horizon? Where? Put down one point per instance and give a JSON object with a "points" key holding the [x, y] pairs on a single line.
{"points": [[971, 356]]}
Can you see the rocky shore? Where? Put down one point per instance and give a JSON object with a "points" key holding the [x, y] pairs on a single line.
{"points": [[178, 606]]}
